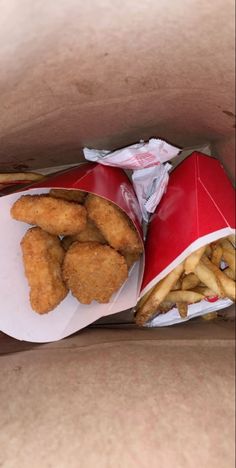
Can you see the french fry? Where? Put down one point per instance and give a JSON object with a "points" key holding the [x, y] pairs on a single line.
{"points": [[205, 291], [177, 285], [192, 261], [182, 309], [230, 260], [227, 283], [184, 296], [165, 306], [208, 250], [210, 316], [216, 255], [226, 244], [228, 254], [11, 177], [197, 278], [159, 292], [208, 277], [190, 281], [228, 272], [232, 239], [144, 298]]}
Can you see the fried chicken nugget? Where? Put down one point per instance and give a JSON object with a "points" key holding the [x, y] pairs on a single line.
{"points": [[56, 216], [66, 242], [43, 257], [89, 234], [93, 271], [114, 224], [69, 195], [130, 258]]}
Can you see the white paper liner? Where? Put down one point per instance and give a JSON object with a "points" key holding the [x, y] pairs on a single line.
{"points": [[17, 319], [194, 310]]}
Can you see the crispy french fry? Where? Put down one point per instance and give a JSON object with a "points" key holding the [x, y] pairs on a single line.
{"points": [[216, 256], [177, 285], [226, 244], [232, 239], [230, 260], [165, 306], [208, 250], [207, 292], [159, 292], [144, 298], [228, 272], [182, 309], [228, 254], [227, 284], [210, 316], [193, 259], [184, 296], [190, 281], [208, 277], [10, 177]]}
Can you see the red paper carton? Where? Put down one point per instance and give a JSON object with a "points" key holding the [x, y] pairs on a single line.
{"points": [[198, 208], [17, 318]]}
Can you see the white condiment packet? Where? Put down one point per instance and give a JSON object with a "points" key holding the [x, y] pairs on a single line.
{"points": [[150, 184], [150, 176]]}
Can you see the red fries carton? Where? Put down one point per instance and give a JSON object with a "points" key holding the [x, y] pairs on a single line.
{"points": [[198, 208], [17, 318]]}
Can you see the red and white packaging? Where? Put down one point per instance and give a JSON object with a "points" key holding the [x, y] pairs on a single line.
{"points": [[17, 319], [198, 208], [150, 176]]}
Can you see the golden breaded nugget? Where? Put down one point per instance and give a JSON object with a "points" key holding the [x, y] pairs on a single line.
{"points": [[66, 242], [130, 258], [93, 271], [69, 195], [114, 224], [43, 257], [56, 216], [89, 234]]}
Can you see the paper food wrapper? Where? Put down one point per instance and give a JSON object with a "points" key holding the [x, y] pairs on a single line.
{"points": [[17, 319], [198, 208], [146, 160]]}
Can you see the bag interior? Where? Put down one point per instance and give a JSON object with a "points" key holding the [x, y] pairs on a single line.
{"points": [[105, 75]]}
